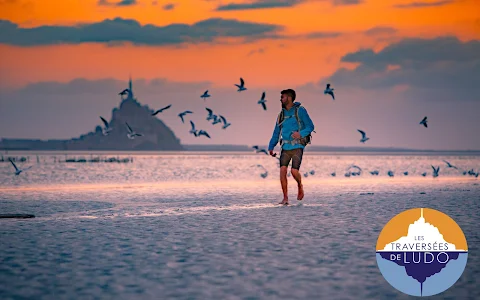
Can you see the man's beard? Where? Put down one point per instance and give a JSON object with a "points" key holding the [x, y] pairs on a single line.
{"points": [[283, 104]]}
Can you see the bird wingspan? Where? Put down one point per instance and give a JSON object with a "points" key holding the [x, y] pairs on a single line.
{"points": [[104, 121], [263, 96], [241, 81], [193, 125], [128, 126], [13, 164]]}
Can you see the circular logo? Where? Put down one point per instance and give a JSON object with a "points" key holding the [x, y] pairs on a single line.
{"points": [[421, 252]]}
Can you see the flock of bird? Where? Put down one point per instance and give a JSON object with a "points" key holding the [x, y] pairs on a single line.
{"points": [[132, 134]]}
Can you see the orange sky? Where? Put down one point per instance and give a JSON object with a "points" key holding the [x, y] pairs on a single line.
{"points": [[293, 61]]}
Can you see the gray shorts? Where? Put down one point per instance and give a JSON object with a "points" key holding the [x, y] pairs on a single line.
{"points": [[295, 155]]}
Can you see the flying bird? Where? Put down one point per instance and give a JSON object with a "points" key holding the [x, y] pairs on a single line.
{"points": [[203, 132], [124, 92], [161, 109], [193, 130], [424, 122], [225, 123], [241, 87], [262, 101], [329, 91], [105, 130], [132, 134], [205, 95], [182, 114], [216, 120], [364, 136], [450, 165], [17, 170], [210, 116]]}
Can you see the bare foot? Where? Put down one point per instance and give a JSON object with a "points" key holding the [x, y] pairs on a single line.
{"points": [[300, 192], [284, 202]]}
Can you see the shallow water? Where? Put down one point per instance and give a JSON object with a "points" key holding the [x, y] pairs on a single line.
{"points": [[213, 231]]}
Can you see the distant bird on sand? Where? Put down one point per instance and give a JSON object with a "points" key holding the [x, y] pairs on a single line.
{"points": [[390, 173], [106, 129], [225, 123], [205, 95], [241, 87], [182, 114], [424, 122], [161, 109], [364, 136], [132, 134], [262, 101], [329, 91], [435, 171], [17, 170]]}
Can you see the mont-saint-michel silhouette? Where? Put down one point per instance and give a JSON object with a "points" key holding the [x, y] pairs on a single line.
{"points": [[156, 135]]}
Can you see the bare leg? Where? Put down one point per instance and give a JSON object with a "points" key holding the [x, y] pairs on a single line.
{"points": [[283, 181], [298, 178]]}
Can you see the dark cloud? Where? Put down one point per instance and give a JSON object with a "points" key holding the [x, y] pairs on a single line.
{"points": [[380, 30], [441, 68], [118, 3], [259, 4], [347, 2], [423, 4], [323, 35], [128, 30], [169, 6]]}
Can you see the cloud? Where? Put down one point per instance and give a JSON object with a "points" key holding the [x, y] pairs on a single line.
{"points": [[259, 4], [323, 35], [424, 4], [118, 3], [169, 6], [442, 68], [347, 2], [127, 30], [380, 30]]}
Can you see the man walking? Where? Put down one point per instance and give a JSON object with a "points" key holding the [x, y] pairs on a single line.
{"points": [[293, 128]]}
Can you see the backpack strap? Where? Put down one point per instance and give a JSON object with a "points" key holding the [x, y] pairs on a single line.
{"points": [[298, 118]]}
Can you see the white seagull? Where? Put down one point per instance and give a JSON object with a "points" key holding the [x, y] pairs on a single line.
{"points": [[105, 130], [241, 87], [364, 136], [262, 101], [132, 134], [424, 122], [182, 114], [225, 123], [17, 170], [329, 91], [205, 95]]}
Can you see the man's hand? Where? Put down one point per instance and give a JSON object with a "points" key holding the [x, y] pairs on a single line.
{"points": [[296, 135], [271, 153]]}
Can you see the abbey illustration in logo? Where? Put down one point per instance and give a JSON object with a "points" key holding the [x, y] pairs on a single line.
{"points": [[421, 252]]}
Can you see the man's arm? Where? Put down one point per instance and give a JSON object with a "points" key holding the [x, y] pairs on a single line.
{"points": [[307, 122], [275, 136]]}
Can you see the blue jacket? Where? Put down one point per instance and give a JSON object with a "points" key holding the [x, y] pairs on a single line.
{"points": [[290, 125]]}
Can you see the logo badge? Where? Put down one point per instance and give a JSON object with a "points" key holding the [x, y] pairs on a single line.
{"points": [[421, 252]]}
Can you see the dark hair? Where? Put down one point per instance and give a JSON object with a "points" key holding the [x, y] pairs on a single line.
{"points": [[290, 93]]}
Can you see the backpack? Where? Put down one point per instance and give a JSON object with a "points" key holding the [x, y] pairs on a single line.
{"points": [[303, 141]]}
